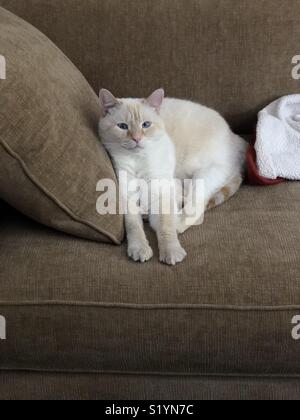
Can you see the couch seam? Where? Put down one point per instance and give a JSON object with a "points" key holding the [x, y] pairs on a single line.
{"points": [[144, 307], [160, 374], [52, 197]]}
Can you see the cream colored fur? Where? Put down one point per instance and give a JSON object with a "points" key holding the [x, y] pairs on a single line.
{"points": [[184, 141]]}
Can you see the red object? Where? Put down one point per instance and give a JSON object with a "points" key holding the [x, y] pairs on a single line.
{"points": [[254, 178]]}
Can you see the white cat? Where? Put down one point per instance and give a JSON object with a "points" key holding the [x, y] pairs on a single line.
{"points": [[164, 138]]}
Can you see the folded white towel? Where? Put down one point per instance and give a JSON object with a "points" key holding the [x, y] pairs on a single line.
{"points": [[278, 139]]}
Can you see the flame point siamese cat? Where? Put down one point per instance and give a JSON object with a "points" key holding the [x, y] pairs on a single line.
{"points": [[166, 139]]}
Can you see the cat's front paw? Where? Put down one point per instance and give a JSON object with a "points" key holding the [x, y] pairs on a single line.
{"points": [[172, 254], [140, 252]]}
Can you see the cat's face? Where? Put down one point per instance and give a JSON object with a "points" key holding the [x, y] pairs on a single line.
{"points": [[131, 124]]}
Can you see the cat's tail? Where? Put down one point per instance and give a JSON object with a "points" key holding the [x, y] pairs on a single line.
{"points": [[225, 193]]}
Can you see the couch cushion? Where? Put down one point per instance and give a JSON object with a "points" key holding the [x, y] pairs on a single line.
{"points": [[50, 155], [76, 305], [80, 386], [235, 56]]}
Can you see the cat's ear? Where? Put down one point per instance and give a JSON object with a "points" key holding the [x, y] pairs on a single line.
{"points": [[156, 99], [107, 100]]}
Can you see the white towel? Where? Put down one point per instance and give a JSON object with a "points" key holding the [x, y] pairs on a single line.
{"points": [[278, 139]]}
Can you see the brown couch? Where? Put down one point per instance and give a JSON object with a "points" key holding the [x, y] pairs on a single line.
{"points": [[86, 323]]}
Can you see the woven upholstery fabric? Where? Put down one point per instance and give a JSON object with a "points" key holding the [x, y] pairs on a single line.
{"points": [[77, 305], [59, 386], [50, 156], [235, 56]]}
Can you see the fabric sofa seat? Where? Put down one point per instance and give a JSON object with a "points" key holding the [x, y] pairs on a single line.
{"points": [[73, 305]]}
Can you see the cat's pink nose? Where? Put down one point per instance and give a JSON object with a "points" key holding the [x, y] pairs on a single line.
{"points": [[137, 138]]}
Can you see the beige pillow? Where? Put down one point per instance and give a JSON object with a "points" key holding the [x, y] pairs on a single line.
{"points": [[50, 156]]}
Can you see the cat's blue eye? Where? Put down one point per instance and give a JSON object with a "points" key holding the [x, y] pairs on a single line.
{"points": [[147, 124], [123, 126]]}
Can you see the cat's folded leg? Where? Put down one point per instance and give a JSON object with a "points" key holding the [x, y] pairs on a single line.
{"points": [[170, 249], [139, 249], [193, 209], [205, 184]]}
